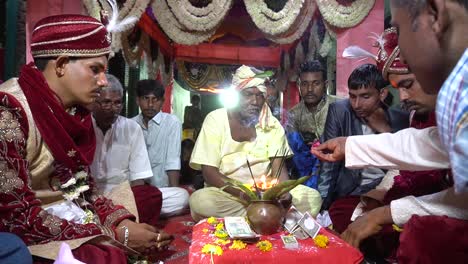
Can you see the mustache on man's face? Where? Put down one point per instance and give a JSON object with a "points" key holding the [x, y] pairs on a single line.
{"points": [[407, 105]]}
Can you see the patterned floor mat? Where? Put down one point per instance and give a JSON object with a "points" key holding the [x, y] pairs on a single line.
{"points": [[181, 228]]}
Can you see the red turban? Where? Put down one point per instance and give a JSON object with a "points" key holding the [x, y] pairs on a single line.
{"points": [[71, 35], [388, 56]]}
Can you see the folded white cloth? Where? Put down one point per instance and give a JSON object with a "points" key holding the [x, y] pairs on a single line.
{"points": [[69, 211]]}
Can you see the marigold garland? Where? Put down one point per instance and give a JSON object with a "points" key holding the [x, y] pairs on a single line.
{"points": [[238, 245], [212, 250], [264, 245], [321, 241]]}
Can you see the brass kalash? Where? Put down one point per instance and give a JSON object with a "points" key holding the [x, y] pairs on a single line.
{"points": [[266, 209]]}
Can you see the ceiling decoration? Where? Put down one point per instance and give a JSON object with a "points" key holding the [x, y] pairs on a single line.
{"points": [[271, 22], [194, 74], [200, 18], [345, 15], [203, 77], [187, 24], [297, 29], [130, 9]]}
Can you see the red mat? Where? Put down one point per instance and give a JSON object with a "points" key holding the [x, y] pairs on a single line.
{"points": [[181, 227], [336, 252]]}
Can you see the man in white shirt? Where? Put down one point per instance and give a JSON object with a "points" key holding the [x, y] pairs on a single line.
{"points": [[121, 154], [163, 136]]}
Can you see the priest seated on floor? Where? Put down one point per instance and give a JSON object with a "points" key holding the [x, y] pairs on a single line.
{"points": [[230, 137]]}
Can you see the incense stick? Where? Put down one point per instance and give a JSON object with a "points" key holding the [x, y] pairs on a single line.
{"points": [[280, 168], [269, 164], [255, 184]]}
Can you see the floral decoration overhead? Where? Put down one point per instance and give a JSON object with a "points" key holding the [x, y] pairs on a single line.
{"points": [[345, 16], [271, 22], [182, 24], [200, 18], [299, 26]]}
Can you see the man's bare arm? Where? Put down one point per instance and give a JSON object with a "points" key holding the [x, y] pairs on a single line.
{"points": [[174, 177], [215, 178]]}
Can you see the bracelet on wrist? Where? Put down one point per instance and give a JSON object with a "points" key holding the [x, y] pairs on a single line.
{"points": [[126, 233]]}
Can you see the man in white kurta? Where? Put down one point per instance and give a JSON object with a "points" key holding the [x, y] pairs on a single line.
{"points": [[121, 155]]}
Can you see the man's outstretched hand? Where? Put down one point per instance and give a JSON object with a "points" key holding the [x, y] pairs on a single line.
{"points": [[331, 151], [367, 225]]}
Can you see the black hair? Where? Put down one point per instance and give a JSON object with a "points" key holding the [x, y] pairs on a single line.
{"points": [[365, 76], [195, 97], [187, 144], [313, 66], [41, 63], [389, 99], [146, 87]]}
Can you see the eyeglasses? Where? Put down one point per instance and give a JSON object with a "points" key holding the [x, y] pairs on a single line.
{"points": [[109, 104]]}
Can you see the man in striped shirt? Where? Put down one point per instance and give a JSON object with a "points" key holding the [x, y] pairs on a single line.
{"points": [[439, 60]]}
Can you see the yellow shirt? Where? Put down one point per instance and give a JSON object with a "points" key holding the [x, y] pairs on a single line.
{"points": [[215, 147]]}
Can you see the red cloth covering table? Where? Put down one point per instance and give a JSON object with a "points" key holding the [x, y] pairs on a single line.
{"points": [[337, 250]]}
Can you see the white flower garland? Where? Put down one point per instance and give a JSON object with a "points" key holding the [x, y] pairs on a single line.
{"points": [[313, 41], [92, 8], [131, 8], [75, 186], [174, 29], [330, 29], [345, 16], [300, 25], [133, 55], [127, 7], [270, 22], [326, 45], [200, 19], [152, 66]]}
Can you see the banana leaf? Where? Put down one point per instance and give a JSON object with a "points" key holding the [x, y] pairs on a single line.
{"points": [[271, 193], [243, 188], [288, 188]]}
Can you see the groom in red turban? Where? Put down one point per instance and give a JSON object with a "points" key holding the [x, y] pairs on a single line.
{"points": [[46, 190]]}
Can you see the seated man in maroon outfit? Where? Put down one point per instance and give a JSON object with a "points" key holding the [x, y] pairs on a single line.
{"points": [[47, 194]]}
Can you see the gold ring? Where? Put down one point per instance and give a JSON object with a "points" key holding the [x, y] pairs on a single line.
{"points": [[159, 237]]}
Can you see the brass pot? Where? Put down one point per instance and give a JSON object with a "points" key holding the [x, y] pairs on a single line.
{"points": [[265, 217]]}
